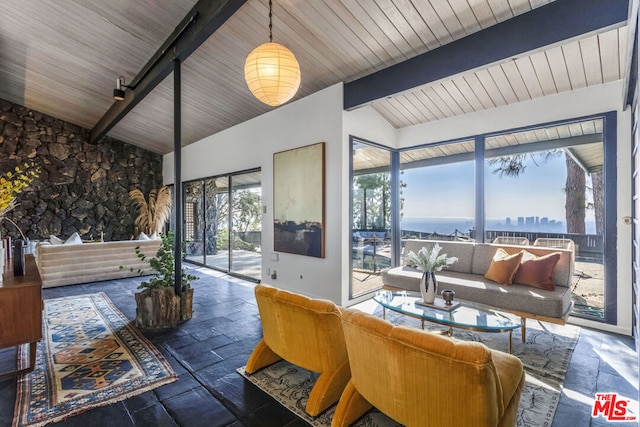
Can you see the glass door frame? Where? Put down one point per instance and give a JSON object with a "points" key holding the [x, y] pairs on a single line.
{"points": [[204, 180], [394, 214]]}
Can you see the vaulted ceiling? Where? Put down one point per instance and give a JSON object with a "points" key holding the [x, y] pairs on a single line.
{"points": [[62, 57]]}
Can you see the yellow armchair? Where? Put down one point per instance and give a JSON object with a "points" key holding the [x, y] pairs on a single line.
{"points": [[305, 332], [421, 379]]}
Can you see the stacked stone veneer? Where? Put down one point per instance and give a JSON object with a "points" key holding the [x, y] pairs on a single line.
{"points": [[82, 187]]}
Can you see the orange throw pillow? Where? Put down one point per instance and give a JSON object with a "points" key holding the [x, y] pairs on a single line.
{"points": [[537, 271], [503, 267]]}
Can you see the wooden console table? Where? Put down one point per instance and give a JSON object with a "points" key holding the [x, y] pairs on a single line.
{"points": [[21, 310]]}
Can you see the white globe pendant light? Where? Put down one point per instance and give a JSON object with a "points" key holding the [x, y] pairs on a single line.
{"points": [[272, 72]]}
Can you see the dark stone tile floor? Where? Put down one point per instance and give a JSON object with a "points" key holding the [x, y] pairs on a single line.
{"points": [[205, 352]]}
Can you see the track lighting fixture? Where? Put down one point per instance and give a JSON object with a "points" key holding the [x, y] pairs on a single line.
{"points": [[118, 92]]}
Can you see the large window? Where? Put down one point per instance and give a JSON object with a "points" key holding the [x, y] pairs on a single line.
{"points": [[545, 187], [551, 185]]}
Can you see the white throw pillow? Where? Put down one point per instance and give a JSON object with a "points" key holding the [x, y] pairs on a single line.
{"points": [[142, 236], [74, 239], [55, 240]]}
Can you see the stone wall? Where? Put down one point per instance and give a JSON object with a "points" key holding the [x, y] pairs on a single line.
{"points": [[82, 187]]}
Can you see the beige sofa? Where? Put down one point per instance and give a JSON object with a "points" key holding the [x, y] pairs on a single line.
{"points": [[466, 279], [92, 262]]}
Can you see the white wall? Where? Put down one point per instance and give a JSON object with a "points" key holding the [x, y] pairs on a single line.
{"points": [[584, 102], [313, 119]]}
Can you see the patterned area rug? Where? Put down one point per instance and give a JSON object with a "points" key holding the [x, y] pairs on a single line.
{"points": [[545, 357], [90, 356]]}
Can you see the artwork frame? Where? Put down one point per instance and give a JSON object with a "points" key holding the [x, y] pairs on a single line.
{"points": [[299, 200]]}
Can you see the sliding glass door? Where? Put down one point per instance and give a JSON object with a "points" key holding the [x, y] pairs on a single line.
{"points": [[222, 225], [371, 216], [245, 253], [217, 207]]}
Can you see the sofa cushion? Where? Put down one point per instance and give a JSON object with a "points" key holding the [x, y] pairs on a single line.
{"points": [[404, 277], [55, 240], [74, 239], [462, 250], [520, 298], [142, 236], [484, 252], [537, 271], [473, 287], [503, 267]]}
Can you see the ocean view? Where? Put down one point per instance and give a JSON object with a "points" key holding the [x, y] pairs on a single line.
{"points": [[450, 225]]}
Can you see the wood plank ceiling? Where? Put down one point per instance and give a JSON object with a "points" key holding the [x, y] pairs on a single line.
{"points": [[61, 57], [583, 139]]}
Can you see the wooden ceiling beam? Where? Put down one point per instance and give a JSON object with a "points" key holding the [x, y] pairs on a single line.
{"points": [[201, 22], [542, 27]]}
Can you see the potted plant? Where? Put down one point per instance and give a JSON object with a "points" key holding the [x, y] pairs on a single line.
{"points": [[158, 306], [429, 261]]}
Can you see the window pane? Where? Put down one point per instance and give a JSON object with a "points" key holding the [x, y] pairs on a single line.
{"points": [[194, 221], [438, 192], [246, 191], [218, 223], [545, 187], [371, 222]]}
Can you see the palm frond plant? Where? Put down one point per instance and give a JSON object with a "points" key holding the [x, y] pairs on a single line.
{"points": [[154, 212], [429, 260]]}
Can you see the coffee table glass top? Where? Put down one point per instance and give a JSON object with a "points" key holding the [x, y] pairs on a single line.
{"points": [[467, 315]]}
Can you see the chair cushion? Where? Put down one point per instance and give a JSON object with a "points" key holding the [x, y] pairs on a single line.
{"points": [[520, 298]]}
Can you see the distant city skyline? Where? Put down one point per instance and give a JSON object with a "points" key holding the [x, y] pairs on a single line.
{"points": [[449, 225]]}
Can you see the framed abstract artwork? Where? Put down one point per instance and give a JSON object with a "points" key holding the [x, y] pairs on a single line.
{"points": [[299, 200]]}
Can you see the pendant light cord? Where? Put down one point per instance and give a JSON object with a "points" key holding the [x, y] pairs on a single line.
{"points": [[270, 24]]}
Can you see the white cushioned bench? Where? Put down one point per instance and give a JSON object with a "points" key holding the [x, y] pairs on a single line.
{"points": [[92, 262]]}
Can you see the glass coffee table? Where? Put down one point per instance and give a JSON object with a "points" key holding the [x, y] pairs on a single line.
{"points": [[467, 315]]}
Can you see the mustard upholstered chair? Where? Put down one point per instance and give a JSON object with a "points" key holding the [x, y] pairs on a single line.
{"points": [[422, 379], [305, 332]]}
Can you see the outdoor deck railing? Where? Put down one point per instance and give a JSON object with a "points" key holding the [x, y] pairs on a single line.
{"points": [[587, 246]]}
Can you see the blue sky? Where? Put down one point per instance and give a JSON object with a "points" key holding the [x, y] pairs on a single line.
{"points": [[447, 191]]}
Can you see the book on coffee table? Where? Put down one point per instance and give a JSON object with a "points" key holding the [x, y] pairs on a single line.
{"points": [[439, 304]]}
